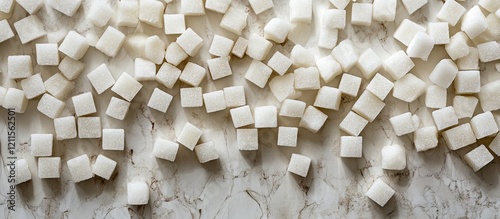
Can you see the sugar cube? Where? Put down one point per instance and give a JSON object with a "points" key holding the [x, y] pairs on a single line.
{"points": [[340, 4], [351, 146], [457, 47], [84, 104], [234, 96], [369, 63], [3, 91], [101, 79], [189, 136], [113, 139], [192, 7], [445, 117], [247, 139], [277, 30], [71, 68], [451, 12], [145, 70], [380, 86], [474, 22], [165, 149], [193, 74], [406, 31], [15, 99], [41, 145], [68, 7], [478, 158], [459, 136], [300, 11], [126, 86], [301, 57], [80, 168], [50, 106], [489, 51], [240, 47], [282, 87], [402, 124], [495, 145], [444, 73], [467, 82], [425, 138], [292, 108], [221, 46], [100, 13], [103, 167], [160, 100], [393, 157], [489, 96], [384, 10], [29, 28], [435, 97], [464, 106], [420, 46], [117, 108], [345, 54], [30, 6], [328, 98], [313, 119], [47, 54], [241, 116], [408, 88], [174, 54], [74, 45], [489, 5], [49, 167], [287, 136], [349, 85], [470, 61], [307, 78], [191, 97], [334, 18], [33, 86], [380, 192], [155, 49], [299, 164], [266, 117], [23, 173], [361, 14], [151, 12], [19, 66], [258, 73], [5, 31], [279, 63], [484, 125], [327, 38], [219, 6], [190, 42], [110, 42], [259, 6], [439, 31], [137, 193], [174, 23], [368, 106], [206, 152], [219, 67], [89, 127], [328, 68], [127, 13], [234, 21], [258, 47], [413, 5], [398, 65], [214, 101]]}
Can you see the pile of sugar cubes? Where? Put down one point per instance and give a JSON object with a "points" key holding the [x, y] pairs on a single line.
{"points": [[452, 89]]}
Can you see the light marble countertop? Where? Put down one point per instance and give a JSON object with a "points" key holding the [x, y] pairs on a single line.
{"points": [[435, 184]]}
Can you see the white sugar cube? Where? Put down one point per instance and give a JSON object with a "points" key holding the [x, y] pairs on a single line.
{"points": [[279, 63], [190, 42], [160, 100], [478, 158], [444, 73], [174, 23], [206, 152], [340, 4], [3, 91], [361, 14], [464, 106], [71, 68], [470, 61], [67, 7], [127, 13], [368, 106], [328, 68], [5, 31], [408, 88], [451, 12], [235, 96], [221, 46], [489, 51], [380, 192], [80, 168], [402, 124], [234, 21], [174, 54], [489, 96], [425, 138], [47, 54], [113, 139], [489, 5], [41, 145], [31, 6], [457, 47], [103, 167], [292, 108], [334, 18], [380, 86], [313, 119], [328, 98], [84, 104], [137, 193], [126, 86], [287, 136], [474, 22], [413, 5], [266, 117], [248, 139], [117, 108], [435, 97], [439, 31], [100, 13], [101, 79], [299, 164], [393, 157], [49, 167], [398, 65], [151, 12], [495, 145], [459, 136], [369, 63], [384, 10], [74, 45], [89, 127], [23, 173], [214, 101], [307, 78], [110, 42], [15, 99], [258, 47], [168, 75], [277, 30], [50, 106], [259, 6], [345, 54], [406, 31], [219, 67], [29, 28], [240, 47], [191, 97], [189, 136], [351, 146], [444, 117], [467, 82], [19, 66], [349, 85], [165, 149], [300, 11], [241, 116], [155, 49], [420, 46], [484, 125], [33, 86], [193, 74], [192, 7], [258, 73], [219, 6], [283, 87], [145, 70], [327, 38], [301, 57]]}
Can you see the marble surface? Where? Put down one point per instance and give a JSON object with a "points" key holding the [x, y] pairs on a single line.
{"points": [[435, 184]]}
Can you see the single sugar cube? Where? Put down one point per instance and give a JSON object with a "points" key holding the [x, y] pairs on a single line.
{"points": [[67, 7], [380, 192], [127, 13], [165, 149], [151, 12], [160, 100], [444, 73], [277, 30], [299, 164], [247, 139], [47, 54], [117, 108], [287, 136], [192, 7], [393, 157], [3, 91], [489, 5], [301, 57], [89, 127], [313, 119], [369, 63], [328, 98], [425, 138], [168, 75], [258, 73], [71, 68], [292, 108], [402, 124], [489, 96], [413, 5], [351, 146], [266, 117], [240, 47], [219, 6], [100, 13], [174, 54], [484, 125], [214, 101], [126, 86], [19, 66], [49, 167], [29, 28], [5, 31], [145, 70], [31, 6], [467, 82], [101, 79], [219, 67], [349, 85], [495, 145], [435, 97], [113, 139], [258, 47], [137, 193], [50, 106], [241, 116], [328, 68], [23, 173], [334, 18], [307, 78], [368, 106], [406, 31], [193, 74], [41, 145], [361, 14], [457, 47], [84, 104], [489, 51], [110, 42], [191, 97], [189, 136], [474, 22], [103, 167], [478, 158], [459, 136], [155, 49], [221, 46], [340, 4], [420, 46], [235, 96], [59, 86], [451, 12], [174, 23], [464, 106], [398, 65], [409, 88], [470, 61], [283, 87], [206, 152], [345, 54], [190, 42], [300, 11], [380, 86], [384, 10], [15, 99], [439, 31], [327, 38], [80, 168], [74, 45], [259, 6], [234, 21], [444, 117], [33, 86]]}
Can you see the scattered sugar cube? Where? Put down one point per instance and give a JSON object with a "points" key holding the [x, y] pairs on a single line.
{"points": [[234, 96], [80, 168], [89, 127], [174, 54], [206, 152], [307, 78], [47, 54], [258, 47], [160, 100], [41, 145], [19, 66], [420, 46], [101, 79], [459, 136], [126, 86], [190, 42], [328, 98], [74, 45], [451, 12], [299, 164], [369, 63], [457, 47], [489, 5], [474, 22], [151, 12], [193, 74], [29, 28], [489, 96], [283, 87], [248, 139], [478, 158], [368, 106], [49, 167], [23, 173], [174, 23], [313, 119], [351, 146], [155, 49], [435, 97], [292, 108], [345, 54], [287, 136], [221, 46], [214, 101], [413, 5], [266, 117], [67, 7], [279, 63], [192, 7], [50, 106], [380, 86], [103, 167], [5, 31], [328, 68], [165, 149], [241, 116], [445, 117], [484, 125], [464, 106], [495, 145], [300, 11], [408, 88], [234, 21], [444, 73], [168, 75], [258, 73], [384, 10], [31, 6], [84, 104], [137, 193], [425, 138], [340, 4], [259, 6], [327, 38], [117, 108], [113, 139], [380, 192], [402, 124], [110, 42], [277, 30], [219, 67], [393, 157], [467, 82], [3, 91], [15, 99], [33, 86], [145, 70], [406, 31], [470, 61], [349, 85], [439, 31], [489, 51], [361, 14], [334, 18], [219, 6], [127, 13], [71, 68], [191, 97], [240, 47], [301, 57], [100, 13], [398, 65], [189, 136]]}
